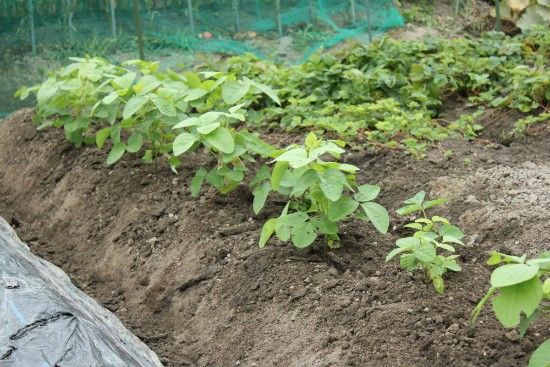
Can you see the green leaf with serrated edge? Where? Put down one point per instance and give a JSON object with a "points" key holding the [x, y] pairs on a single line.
{"points": [[267, 231], [221, 139], [311, 141], [183, 142], [511, 274], [117, 151], [260, 195], [541, 355], [418, 198], [197, 181], [263, 174], [367, 193], [378, 215], [446, 247], [439, 219], [303, 234], [408, 262], [277, 174], [448, 230], [516, 299], [409, 209], [134, 143], [342, 208], [233, 91], [133, 105], [425, 252], [408, 242], [101, 136]]}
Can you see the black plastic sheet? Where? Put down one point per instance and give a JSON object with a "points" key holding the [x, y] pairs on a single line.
{"points": [[45, 321]]}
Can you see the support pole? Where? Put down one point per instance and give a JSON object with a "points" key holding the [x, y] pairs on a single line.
{"points": [[113, 18], [31, 20], [368, 15], [139, 29], [237, 16], [353, 11], [191, 18], [278, 15], [499, 23], [312, 15]]}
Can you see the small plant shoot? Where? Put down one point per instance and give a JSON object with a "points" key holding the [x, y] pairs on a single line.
{"points": [[520, 294], [321, 194], [432, 237]]}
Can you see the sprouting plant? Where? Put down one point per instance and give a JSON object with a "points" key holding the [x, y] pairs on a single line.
{"points": [[321, 193], [523, 288], [420, 251]]}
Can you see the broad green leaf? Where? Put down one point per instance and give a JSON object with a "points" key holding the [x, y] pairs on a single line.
{"points": [[448, 230], [135, 142], [174, 163], [418, 198], [110, 98], [147, 156], [277, 174], [101, 136], [133, 105], [260, 195], [296, 157], [425, 252], [261, 175], [46, 91], [193, 79], [164, 106], [197, 181], [267, 231], [511, 274], [325, 225], [304, 182], [342, 208], [303, 234], [431, 203], [332, 184], [367, 193], [233, 91], [125, 81], [207, 129], [516, 299], [541, 356], [183, 142], [393, 253], [546, 286], [408, 242], [408, 209], [378, 215], [266, 89], [221, 139], [311, 141], [117, 151]]}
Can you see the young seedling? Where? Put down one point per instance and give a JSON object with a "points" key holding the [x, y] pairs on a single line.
{"points": [[523, 294], [320, 194], [420, 251]]}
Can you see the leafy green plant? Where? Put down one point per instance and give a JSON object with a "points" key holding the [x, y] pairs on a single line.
{"points": [[432, 234], [320, 194], [523, 294]]}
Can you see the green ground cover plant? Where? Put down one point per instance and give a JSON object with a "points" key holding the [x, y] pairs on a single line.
{"points": [[392, 92], [321, 193], [432, 235], [520, 294]]}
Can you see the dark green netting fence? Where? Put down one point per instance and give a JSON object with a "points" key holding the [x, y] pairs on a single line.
{"points": [[286, 30], [228, 26]]}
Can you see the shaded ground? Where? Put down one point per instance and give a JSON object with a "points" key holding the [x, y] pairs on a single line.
{"points": [[187, 277]]}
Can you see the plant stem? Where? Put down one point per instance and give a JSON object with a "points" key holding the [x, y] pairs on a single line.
{"points": [[497, 9], [368, 15], [237, 16], [278, 15], [353, 11]]}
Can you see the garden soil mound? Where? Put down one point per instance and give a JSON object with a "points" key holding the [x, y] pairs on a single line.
{"points": [[187, 277]]}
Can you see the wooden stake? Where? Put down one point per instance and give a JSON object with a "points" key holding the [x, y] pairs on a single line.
{"points": [[139, 29], [191, 18], [113, 18], [278, 15], [368, 15], [237, 16], [353, 11], [499, 23], [31, 19]]}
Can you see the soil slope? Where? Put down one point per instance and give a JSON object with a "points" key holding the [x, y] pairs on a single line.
{"points": [[187, 277]]}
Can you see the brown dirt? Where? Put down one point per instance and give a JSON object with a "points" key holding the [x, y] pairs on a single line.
{"points": [[187, 277]]}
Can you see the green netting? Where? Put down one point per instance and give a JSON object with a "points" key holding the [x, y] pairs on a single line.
{"points": [[236, 26]]}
